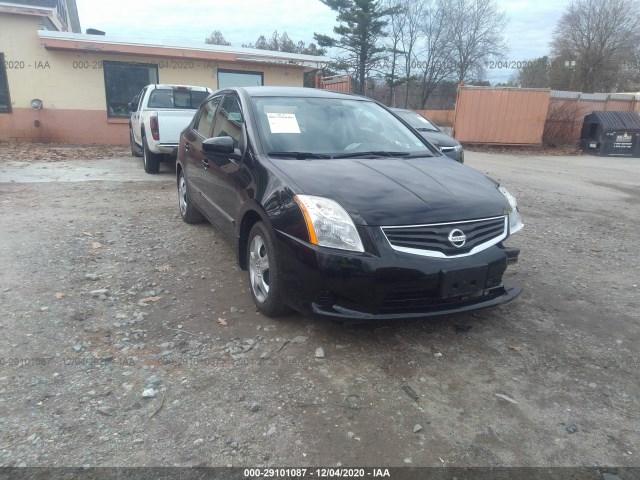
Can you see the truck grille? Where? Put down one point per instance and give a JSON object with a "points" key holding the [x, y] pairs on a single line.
{"points": [[433, 240]]}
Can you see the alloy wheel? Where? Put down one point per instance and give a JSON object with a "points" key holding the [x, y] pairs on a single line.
{"points": [[182, 193], [259, 269]]}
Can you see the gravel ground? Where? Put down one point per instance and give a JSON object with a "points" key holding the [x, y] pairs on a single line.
{"points": [[128, 338]]}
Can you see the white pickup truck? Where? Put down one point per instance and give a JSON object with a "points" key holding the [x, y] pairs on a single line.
{"points": [[158, 114]]}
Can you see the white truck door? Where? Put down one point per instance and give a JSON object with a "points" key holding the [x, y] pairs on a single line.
{"points": [[136, 118]]}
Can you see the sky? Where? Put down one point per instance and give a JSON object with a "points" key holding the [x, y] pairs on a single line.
{"points": [[242, 21]]}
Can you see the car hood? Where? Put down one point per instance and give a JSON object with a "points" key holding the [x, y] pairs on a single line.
{"points": [[393, 191], [440, 138]]}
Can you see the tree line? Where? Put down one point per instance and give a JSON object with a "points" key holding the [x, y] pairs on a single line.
{"points": [[418, 44], [595, 48], [276, 43], [411, 49]]}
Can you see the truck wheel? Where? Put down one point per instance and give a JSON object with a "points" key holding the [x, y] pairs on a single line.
{"points": [[136, 151], [188, 212], [151, 160]]}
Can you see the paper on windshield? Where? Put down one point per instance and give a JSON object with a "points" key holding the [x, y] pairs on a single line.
{"points": [[283, 123]]}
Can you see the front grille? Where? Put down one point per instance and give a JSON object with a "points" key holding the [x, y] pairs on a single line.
{"points": [[433, 240]]}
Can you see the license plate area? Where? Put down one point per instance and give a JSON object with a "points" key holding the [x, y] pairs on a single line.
{"points": [[467, 281]]}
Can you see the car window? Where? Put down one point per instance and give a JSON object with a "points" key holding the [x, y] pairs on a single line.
{"points": [[207, 116], [417, 121], [140, 98], [331, 126], [161, 98], [229, 120], [181, 98]]}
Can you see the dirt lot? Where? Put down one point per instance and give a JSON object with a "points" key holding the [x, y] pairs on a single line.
{"points": [[108, 297]]}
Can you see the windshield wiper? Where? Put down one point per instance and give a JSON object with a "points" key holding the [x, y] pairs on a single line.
{"points": [[425, 129], [298, 155], [380, 153], [325, 156]]}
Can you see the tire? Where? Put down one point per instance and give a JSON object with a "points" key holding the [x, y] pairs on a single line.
{"points": [[188, 212], [136, 151], [262, 266], [151, 160]]}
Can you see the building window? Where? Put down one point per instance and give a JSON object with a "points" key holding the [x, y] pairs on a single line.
{"points": [[123, 81], [5, 100], [239, 78]]}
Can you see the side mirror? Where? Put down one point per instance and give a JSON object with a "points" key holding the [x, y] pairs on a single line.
{"points": [[133, 104], [218, 145]]}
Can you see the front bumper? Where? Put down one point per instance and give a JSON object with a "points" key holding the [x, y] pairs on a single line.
{"points": [[388, 284]]}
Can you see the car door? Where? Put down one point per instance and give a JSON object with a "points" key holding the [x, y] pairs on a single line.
{"points": [[136, 123], [223, 172], [195, 162]]}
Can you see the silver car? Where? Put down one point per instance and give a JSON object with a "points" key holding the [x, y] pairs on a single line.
{"points": [[446, 143]]}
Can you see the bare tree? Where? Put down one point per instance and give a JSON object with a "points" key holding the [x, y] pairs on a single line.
{"points": [[635, 68], [440, 42], [477, 28], [395, 28], [435, 59], [602, 35], [411, 32]]}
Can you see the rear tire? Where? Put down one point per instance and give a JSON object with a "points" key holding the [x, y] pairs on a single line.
{"points": [[262, 266], [188, 212], [151, 160], [136, 151]]}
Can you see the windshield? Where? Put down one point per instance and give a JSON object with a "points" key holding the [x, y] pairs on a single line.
{"points": [[417, 121], [171, 98], [326, 128]]}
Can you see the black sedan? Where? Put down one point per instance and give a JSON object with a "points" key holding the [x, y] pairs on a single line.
{"points": [[336, 218], [432, 133]]}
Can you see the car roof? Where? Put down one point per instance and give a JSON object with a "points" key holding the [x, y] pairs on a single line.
{"points": [[297, 92]]}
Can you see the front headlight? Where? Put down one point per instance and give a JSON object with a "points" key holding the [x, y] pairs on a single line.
{"points": [[515, 221], [329, 224], [458, 148]]}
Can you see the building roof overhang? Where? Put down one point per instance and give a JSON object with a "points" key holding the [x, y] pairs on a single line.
{"points": [[128, 46]]}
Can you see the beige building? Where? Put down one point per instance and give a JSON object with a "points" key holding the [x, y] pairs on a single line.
{"points": [[58, 85]]}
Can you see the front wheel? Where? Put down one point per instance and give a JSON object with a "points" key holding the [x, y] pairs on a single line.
{"points": [[151, 160], [263, 272]]}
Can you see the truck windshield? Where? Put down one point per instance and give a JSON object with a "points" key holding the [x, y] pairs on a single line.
{"points": [[171, 98]]}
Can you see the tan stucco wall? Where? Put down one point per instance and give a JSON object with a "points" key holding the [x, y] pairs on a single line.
{"points": [[68, 81]]}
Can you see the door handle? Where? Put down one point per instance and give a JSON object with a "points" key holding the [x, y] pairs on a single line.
{"points": [[187, 146], [205, 164]]}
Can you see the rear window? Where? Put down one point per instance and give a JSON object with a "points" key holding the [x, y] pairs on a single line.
{"points": [[170, 98], [417, 121]]}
